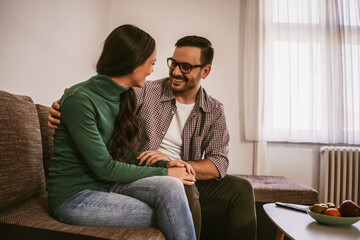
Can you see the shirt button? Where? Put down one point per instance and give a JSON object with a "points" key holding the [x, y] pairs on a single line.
{"points": [[172, 112]]}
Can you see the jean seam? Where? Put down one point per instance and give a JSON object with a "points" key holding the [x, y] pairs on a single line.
{"points": [[88, 204], [168, 210]]}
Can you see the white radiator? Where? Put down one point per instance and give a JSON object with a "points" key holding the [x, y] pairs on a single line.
{"points": [[339, 174]]}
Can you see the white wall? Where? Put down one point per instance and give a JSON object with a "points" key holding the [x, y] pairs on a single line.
{"points": [[47, 45], [299, 162]]}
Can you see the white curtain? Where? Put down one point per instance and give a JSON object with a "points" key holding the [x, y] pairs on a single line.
{"points": [[302, 71]]}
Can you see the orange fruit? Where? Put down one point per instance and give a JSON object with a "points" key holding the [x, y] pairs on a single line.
{"points": [[334, 212]]}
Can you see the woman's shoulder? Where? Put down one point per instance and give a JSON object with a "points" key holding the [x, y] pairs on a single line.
{"points": [[79, 93]]}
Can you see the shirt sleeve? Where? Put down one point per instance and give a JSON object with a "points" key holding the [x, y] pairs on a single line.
{"points": [[78, 114], [216, 142]]}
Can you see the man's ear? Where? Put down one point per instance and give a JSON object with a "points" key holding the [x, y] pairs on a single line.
{"points": [[205, 71]]}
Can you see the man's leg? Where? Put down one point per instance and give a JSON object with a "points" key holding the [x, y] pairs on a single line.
{"points": [[192, 194], [234, 194]]}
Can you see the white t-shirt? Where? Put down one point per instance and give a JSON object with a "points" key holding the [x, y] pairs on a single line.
{"points": [[172, 142]]}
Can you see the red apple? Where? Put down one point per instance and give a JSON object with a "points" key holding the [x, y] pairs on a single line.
{"points": [[349, 209]]}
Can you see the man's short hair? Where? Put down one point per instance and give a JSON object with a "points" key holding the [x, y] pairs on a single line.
{"points": [[207, 51]]}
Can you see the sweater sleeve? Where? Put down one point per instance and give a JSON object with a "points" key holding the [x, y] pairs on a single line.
{"points": [[79, 115]]}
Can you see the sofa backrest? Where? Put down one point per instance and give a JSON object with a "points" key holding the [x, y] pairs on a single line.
{"points": [[21, 154], [47, 136]]}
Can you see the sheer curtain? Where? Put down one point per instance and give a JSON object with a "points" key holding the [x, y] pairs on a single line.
{"points": [[302, 71]]}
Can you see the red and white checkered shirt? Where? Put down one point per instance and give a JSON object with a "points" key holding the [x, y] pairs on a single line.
{"points": [[205, 134]]}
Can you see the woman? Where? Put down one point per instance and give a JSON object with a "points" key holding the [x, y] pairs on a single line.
{"points": [[93, 149]]}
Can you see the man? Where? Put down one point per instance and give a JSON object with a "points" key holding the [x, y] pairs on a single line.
{"points": [[180, 120]]}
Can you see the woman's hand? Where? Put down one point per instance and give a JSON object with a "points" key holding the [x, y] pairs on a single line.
{"points": [[182, 174], [150, 157], [181, 163]]}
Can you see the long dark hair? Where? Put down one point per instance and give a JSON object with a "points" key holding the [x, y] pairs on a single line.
{"points": [[126, 48]]}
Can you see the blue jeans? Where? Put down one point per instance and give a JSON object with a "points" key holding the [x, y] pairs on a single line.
{"points": [[149, 202]]}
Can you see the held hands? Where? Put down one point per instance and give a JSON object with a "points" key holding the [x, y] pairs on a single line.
{"points": [[182, 170], [182, 174], [176, 168], [150, 157], [182, 164]]}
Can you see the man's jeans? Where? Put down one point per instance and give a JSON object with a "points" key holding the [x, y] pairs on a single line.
{"points": [[149, 202]]}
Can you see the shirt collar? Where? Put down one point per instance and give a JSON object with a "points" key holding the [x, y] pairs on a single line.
{"points": [[201, 99], [107, 87]]}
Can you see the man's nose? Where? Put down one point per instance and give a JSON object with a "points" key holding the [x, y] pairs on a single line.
{"points": [[177, 71]]}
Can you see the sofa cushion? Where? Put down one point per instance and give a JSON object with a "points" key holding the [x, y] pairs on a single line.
{"points": [[47, 135], [21, 168], [23, 215], [281, 189]]}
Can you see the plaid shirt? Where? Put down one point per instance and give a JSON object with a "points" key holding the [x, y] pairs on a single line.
{"points": [[205, 133]]}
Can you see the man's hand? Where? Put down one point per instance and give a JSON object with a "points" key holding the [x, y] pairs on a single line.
{"points": [[182, 174], [54, 115], [205, 169], [150, 157], [181, 163]]}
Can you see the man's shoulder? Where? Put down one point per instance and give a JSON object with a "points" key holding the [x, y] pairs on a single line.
{"points": [[210, 102]]}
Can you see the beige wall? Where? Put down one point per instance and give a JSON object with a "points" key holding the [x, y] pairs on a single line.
{"points": [[47, 45]]}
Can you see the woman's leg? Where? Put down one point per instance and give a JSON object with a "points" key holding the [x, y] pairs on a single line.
{"points": [[167, 196], [103, 209]]}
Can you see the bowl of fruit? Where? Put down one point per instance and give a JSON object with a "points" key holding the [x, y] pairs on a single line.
{"points": [[346, 213]]}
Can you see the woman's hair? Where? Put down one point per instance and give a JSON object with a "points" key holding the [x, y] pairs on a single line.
{"points": [[126, 48]]}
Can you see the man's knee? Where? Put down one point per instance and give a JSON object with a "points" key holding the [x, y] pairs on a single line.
{"points": [[239, 187], [240, 183]]}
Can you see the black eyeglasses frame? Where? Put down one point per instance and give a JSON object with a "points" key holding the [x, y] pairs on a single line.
{"points": [[170, 61]]}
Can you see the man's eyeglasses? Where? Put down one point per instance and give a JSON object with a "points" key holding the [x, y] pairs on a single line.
{"points": [[184, 67]]}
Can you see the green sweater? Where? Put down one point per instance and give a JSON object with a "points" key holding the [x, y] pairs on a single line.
{"points": [[81, 159]]}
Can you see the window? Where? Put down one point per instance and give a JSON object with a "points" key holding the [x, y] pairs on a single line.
{"points": [[309, 81]]}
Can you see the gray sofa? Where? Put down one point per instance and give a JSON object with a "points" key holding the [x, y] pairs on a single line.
{"points": [[25, 151]]}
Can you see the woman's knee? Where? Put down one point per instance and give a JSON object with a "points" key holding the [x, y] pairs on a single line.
{"points": [[167, 184]]}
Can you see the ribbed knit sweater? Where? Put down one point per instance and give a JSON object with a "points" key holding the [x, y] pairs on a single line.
{"points": [[81, 159]]}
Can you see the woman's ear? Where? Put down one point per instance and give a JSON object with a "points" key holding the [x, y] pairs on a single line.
{"points": [[205, 71]]}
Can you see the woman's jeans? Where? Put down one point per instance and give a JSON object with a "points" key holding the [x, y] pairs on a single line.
{"points": [[149, 202]]}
